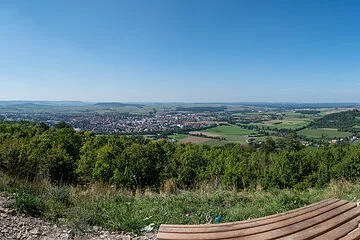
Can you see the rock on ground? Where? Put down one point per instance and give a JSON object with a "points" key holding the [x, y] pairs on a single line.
{"points": [[13, 226]]}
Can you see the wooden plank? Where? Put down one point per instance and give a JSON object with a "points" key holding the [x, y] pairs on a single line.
{"points": [[323, 227], [341, 230], [296, 216], [354, 235], [321, 203], [270, 231]]}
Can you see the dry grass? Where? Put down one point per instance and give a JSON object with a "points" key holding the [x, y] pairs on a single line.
{"points": [[193, 139]]}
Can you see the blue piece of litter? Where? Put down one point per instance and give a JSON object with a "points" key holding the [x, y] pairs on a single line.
{"points": [[218, 219]]}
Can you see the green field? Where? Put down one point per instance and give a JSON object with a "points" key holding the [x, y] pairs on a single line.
{"points": [[323, 133], [231, 130]]}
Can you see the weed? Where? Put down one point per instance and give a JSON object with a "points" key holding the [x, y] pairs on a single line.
{"points": [[61, 194], [29, 204]]}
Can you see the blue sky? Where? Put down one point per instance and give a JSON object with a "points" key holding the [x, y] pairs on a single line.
{"points": [[187, 51]]}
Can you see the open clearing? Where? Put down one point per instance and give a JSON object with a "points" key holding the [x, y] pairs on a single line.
{"points": [[323, 133]]}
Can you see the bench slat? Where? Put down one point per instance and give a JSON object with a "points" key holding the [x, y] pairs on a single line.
{"points": [[323, 227], [341, 230], [354, 235]]}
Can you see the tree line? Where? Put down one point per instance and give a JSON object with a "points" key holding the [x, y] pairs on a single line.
{"points": [[34, 151]]}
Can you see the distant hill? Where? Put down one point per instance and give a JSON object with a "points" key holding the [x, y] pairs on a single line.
{"points": [[117, 104], [289, 105], [43, 103], [343, 121]]}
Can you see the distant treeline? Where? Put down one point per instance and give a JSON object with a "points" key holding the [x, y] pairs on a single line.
{"points": [[35, 151], [308, 111]]}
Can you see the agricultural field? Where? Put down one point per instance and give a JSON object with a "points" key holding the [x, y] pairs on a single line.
{"points": [[226, 131], [284, 124], [288, 120], [226, 134], [193, 139], [230, 133], [320, 133]]}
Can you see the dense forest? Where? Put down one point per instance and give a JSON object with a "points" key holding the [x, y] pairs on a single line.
{"points": [[35, 151]]}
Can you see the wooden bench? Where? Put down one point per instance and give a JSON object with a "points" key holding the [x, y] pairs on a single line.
{"points": [[328, 219]]}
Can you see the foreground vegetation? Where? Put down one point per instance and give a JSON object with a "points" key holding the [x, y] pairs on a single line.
{"points": [[102, 205]]}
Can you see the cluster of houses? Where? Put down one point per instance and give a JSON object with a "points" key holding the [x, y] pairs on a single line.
{"points": [[140, 123], [340, 140]]}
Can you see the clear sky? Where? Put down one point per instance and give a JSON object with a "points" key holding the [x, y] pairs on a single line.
{"points": [[188, 51]]}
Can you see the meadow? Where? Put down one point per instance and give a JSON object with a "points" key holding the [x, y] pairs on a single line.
{"points": [[320, 133]]}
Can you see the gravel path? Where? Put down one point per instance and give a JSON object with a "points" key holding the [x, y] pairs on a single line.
{"points": [[13, 226]]}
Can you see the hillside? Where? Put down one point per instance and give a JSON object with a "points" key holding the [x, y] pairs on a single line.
{"points": [[343, 121]]}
